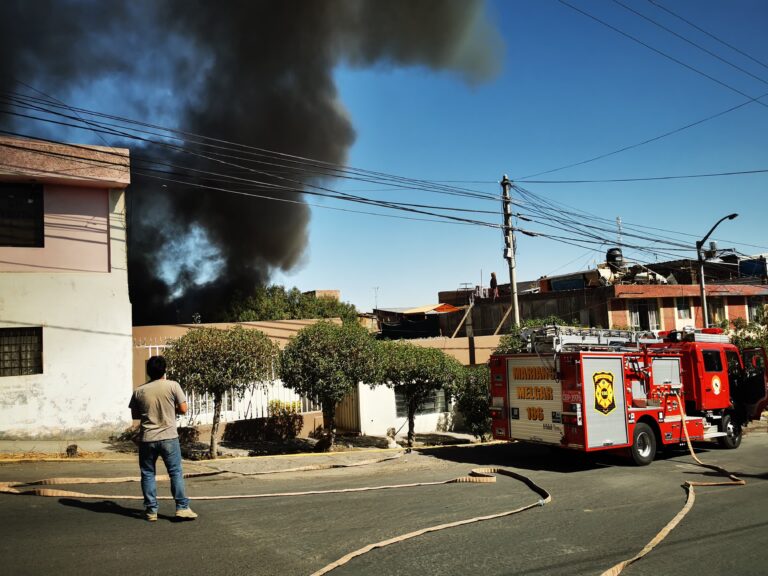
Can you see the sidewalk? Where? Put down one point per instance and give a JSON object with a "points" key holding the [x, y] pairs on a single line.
{"points": [[350, 450], [19, 449]]}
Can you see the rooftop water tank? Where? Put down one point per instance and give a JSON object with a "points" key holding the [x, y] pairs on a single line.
{"points": [[614, 258]]}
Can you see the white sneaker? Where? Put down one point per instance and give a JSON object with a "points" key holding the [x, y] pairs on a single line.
{"points": [[185, 514]]}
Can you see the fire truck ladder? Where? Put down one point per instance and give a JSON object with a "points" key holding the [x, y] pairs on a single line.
{"points": [[556, 338]]}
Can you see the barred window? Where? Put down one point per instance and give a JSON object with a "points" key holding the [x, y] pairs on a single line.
{"points": [[21, 215], [21, 351], [434, 404]]}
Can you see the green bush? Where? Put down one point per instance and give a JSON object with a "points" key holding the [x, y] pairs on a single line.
{"points": [[472, 398], [751, 334], [514, 342], [284, 419]]}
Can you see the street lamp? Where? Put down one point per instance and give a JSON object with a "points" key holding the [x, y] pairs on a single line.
{"points": [[699, 244]]}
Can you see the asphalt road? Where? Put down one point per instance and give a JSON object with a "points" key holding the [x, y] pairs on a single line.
{"points": [[603, 510]]}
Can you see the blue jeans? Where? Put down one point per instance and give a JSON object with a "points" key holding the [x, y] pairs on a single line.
{"points": [[170, 451]]}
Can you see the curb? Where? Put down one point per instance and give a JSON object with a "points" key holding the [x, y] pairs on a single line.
{"points": [[131, 457]]}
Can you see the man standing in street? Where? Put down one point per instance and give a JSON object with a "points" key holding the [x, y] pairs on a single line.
{"points": [[156, 404]]}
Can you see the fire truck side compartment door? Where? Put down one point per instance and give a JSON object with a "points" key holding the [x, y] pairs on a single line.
{"points": [[605, 408], [535, 399]]}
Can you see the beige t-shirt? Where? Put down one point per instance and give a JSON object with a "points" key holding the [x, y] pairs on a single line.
{"points": [[156, 401]]}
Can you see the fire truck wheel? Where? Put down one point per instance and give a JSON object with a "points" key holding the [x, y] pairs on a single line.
{"points": [[643, 444], [733, 431]]}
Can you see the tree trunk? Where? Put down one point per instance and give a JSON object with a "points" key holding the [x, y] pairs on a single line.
{"points": [[215, 425], [329, 421], [411, 422]]}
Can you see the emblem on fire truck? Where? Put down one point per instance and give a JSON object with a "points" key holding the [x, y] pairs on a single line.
{"points": [[605, 400], [716, 385]]}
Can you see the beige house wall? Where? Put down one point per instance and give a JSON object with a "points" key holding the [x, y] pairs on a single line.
{"points": [[76, 234], [459, 347]]}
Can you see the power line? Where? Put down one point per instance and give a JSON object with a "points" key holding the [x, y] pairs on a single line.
{"points": [[723, 42], [579, 214], [691, 42], [643, 142], [164, 173], [294, 162], [218, 159], [660, 52], [559, 219], [153, 173], [646, 179], [423, 185]]}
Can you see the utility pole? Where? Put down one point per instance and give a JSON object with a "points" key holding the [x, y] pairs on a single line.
{"points": [[509, 247], [618, 231], [375, 297]]}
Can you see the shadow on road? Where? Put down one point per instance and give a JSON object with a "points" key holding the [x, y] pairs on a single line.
{"points": [[526, 456], [103, 507]]}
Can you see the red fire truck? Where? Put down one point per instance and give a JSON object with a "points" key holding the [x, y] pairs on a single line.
{"points": [[593, 390]]}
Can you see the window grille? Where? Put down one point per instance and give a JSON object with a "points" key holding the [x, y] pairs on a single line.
{"points": [[21, 351], [435, 403]]}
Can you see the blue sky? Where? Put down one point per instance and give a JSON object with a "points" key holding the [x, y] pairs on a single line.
{"points": [[569, 89]]}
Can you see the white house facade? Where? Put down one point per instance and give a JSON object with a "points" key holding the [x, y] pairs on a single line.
{"points": [[65, 313]]}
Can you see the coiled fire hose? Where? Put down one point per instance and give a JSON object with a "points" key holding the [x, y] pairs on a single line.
{"points": [[689, 487]]}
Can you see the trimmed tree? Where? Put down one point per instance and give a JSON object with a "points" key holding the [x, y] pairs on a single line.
{"points": [[751, 334], [473, 397], [276, 302], [207, 360], [326, 361], [417, 373]]}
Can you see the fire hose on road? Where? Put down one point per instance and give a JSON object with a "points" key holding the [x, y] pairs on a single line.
{"points": [[477, 475], [689, 487]]}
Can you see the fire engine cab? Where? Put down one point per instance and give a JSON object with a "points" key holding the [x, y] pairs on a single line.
{"points": [[591, 390]]}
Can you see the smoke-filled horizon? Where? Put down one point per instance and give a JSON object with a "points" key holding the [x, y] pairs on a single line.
{"points": [[255, 73]]}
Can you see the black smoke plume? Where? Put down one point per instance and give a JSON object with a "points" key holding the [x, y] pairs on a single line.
{"points": [[253, 72]]}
